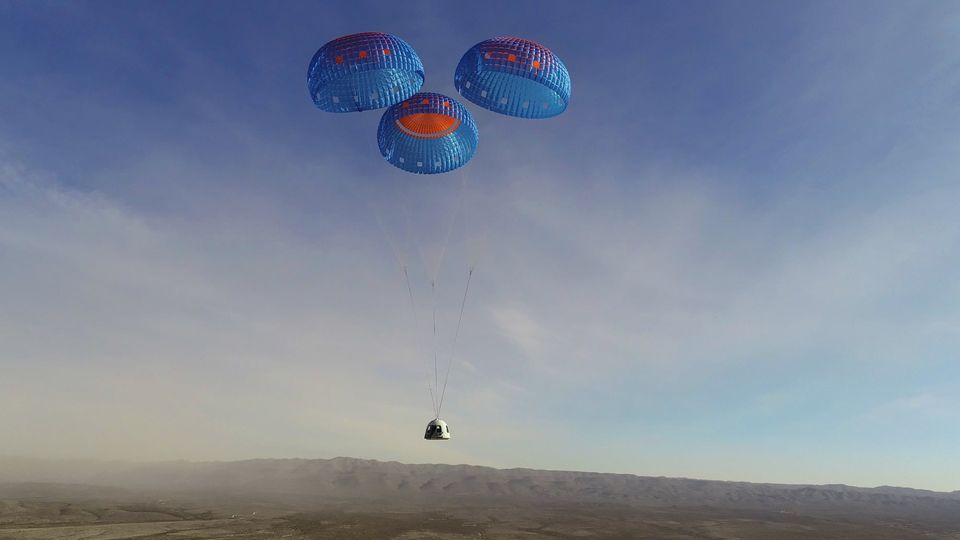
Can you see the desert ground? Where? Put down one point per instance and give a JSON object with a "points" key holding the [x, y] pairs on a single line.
{"points": [[43, 520], [361, 499]]}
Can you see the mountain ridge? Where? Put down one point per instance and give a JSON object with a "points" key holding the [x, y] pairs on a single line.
{"points": [[5, 470], [345, 478]]}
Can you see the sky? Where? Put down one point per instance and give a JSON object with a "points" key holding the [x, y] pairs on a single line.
{"points": [[735, 256]]}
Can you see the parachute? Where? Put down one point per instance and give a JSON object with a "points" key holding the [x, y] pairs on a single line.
{"points": [[427, 134], [514, 76], [364, 71]]}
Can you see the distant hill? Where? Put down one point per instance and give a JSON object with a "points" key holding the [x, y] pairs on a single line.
{"points": [[348, 479]]}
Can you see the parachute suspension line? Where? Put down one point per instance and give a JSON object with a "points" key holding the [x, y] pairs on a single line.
{"points": [[406, 277], [462, 210], [401, 261], [433, 267], [411, 239], [390, 241], [413, 311], [456, 334], [446, 239], [473, 236], [436, 379], [434, 272]]}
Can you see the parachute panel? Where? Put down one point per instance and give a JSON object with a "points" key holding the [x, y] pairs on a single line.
{"points": [[514, 76], [364, 71]]}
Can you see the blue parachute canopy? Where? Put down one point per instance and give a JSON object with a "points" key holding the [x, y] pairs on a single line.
{"points": [[363, 71], [514, 76], [428, 134]]}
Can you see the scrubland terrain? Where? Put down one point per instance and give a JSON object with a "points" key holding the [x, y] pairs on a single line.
{"points": [[346, 498]]}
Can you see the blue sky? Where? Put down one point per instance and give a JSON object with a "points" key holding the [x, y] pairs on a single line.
{"points": [[735, 256]]}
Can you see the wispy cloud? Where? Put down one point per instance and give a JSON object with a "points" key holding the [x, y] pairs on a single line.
{"points": [[755, 253], [520, 329], [924, 406]]}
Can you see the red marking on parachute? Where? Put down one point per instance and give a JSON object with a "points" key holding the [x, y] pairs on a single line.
{"points": [[536, 64], [428, 125], [425, 102], [338, 60], [511, 58], [363, 54]]}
